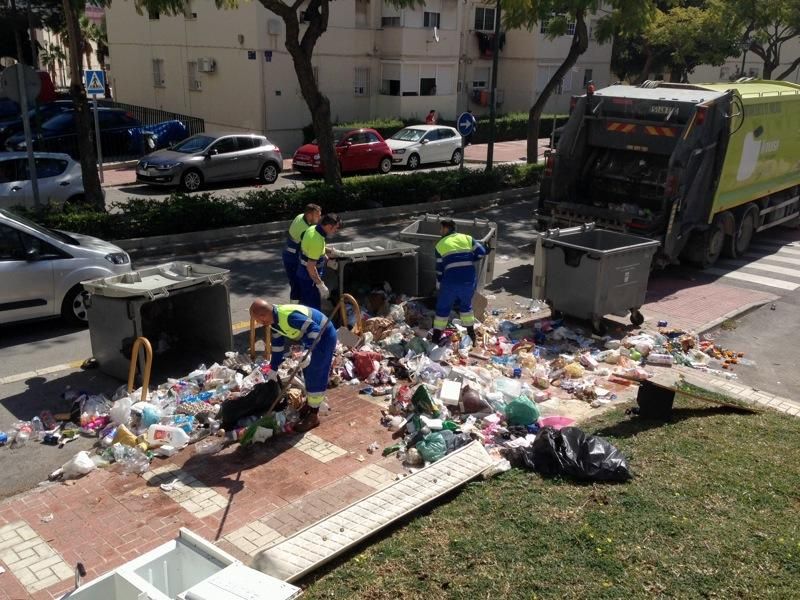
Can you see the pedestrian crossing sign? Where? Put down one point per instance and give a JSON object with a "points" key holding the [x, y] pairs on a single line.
{"points": [[95, 82]]}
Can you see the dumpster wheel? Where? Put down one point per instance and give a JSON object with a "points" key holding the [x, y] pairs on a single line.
{"points": [[599, 326], [637, 318]]}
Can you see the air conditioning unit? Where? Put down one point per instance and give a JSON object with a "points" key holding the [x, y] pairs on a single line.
{"points": [[274, 26], [197, 84], [206, 65]]}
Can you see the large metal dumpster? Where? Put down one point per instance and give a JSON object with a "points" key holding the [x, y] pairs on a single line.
{"points": [[366, 264], [182, 308], [425, 234], [592, 272]]}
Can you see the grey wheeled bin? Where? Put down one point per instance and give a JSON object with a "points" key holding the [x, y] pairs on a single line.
{"points": [[365, 265], [594, 272], [424, 233], [183, 309]]}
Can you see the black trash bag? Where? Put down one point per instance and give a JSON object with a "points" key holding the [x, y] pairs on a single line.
{"points": [[571, 452], [255, 404]]}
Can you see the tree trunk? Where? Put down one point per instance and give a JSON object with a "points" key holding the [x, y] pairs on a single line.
{"points": [[320, 107], [83, 116], [580, 42], [648, 66]]}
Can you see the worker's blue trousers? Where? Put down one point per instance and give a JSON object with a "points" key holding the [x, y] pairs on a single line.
{"points": [[290, 261], [317, 373], [449, 294]]}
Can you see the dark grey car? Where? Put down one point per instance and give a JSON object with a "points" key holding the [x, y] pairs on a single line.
{"points": [[210, 157]]}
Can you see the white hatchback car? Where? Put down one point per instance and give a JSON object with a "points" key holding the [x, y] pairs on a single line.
{"points": [[59, 177], [41, 270], [421, 144]]}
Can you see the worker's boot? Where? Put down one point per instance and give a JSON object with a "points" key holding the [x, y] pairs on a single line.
{"points": [[309, 421]]}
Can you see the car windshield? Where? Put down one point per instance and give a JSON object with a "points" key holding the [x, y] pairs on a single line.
{"points": [[338, 136], [409, 135], [63, 237], [62, 122], [196, 143]]}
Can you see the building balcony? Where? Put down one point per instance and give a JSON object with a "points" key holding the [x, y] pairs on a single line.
{"points": [[407, 41]]}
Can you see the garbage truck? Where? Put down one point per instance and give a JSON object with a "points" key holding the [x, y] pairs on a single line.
{"points": [[699, 167]]}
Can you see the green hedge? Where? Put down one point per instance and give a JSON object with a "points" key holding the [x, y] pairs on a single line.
{"points": [[513, 126], [182, 213]]}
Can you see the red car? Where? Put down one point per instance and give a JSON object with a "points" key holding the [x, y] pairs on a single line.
{"points": [[357, 149]]}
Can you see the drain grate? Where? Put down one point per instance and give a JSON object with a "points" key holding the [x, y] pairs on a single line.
{"points": [[317, 544]]}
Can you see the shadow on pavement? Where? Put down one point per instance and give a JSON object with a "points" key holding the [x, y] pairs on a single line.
{"points": [[30, 332]]}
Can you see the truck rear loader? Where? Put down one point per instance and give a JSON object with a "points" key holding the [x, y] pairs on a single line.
{"points": [[700, 167]]}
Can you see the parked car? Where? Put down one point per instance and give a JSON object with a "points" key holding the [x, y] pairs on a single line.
{"points": [[42, 270], [208, 157], [422, 144], [59, 177], [120, 134], [357, 149], [12, 125]]}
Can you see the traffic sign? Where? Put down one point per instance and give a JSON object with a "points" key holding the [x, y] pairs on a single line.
{"points": [[95, 82], [466, 123], [9, 83]]}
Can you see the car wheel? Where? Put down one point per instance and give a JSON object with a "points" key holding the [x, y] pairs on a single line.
{"points": [[413, 161], [73, 308], [457, 157], [191, 180], [386, 165], [269, 173]]}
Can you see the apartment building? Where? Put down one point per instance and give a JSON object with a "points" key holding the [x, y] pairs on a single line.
{"points": [[231, 68]]}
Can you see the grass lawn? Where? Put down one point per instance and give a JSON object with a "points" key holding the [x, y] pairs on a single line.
{"points": [[713, 512]]}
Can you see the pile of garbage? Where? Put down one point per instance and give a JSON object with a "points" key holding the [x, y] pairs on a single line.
{"points": [[501, 389]]}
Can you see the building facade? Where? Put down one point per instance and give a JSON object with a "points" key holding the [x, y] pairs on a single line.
{"points": [[230, 67]]}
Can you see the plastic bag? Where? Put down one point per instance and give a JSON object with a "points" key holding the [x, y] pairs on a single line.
{"points": [[422, 401], [130, 460], [366, 363], [521, 411], [432, 447], [120, 413], [78, 466], [569, 451]]}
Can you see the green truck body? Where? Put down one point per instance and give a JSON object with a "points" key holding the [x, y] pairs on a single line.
{"points": [[700, 167]]}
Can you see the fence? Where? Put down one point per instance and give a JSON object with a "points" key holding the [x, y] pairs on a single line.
{"points": [[126, 143]]}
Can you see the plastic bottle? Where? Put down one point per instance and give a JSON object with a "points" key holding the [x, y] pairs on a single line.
{"points": [[158, 435]]}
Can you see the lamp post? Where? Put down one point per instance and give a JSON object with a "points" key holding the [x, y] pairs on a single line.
{"points": [[745, 46]]}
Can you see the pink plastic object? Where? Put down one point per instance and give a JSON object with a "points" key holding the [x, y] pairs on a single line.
{"points": [[556, 422]]}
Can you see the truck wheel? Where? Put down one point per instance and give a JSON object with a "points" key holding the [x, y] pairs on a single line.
{"points": [[714, 242], [739, 242]]}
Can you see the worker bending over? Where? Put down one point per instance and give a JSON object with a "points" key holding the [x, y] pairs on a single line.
{"points": [[313, 254], [292, 323], [456, 277], [291, 251]]}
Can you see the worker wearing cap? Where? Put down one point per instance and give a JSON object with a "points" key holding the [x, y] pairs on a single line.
{"points": [[456, 277], [291, 251], [293, 323], [313, 255]]}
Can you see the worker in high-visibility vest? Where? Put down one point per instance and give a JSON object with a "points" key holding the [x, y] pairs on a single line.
{"points": [[291, 251], [456, 277], [293, 323], [313, 255]]}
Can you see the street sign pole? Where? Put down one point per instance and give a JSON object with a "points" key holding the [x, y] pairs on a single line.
{"points": [[23, 102], [466, 126], [26, 127], [96, 84]]}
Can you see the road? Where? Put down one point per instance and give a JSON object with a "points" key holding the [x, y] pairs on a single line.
{"points": [[765, 335], [287, 179]]}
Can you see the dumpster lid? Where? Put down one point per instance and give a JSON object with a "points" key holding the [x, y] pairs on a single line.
{"points": [[238, 582], [161, 278], [372, 248]]}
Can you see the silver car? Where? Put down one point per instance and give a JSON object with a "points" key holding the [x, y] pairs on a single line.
{"points": [[59, 178], [41, 270], [210, 157]]}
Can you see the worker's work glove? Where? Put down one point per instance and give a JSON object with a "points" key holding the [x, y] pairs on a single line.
{"points": [[332, 252], [324, 292], [306, 361]]}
